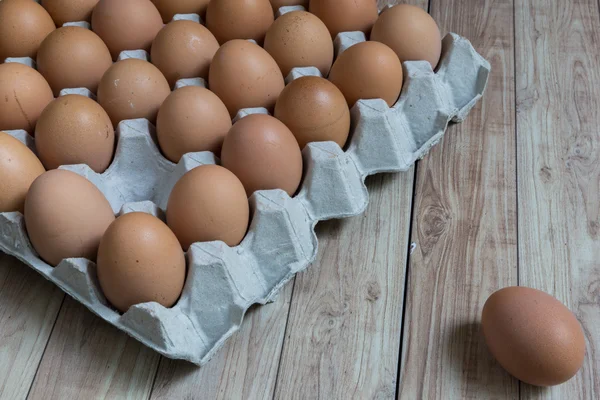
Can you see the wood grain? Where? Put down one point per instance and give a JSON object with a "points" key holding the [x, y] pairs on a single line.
{"points": [[29, 305], [558, 98], [465, 226]]}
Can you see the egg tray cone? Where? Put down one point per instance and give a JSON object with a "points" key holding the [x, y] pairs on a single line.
{"points": [[223, 282]]}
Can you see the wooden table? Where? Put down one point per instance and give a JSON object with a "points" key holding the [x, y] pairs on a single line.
{"points": [[509, 197]]}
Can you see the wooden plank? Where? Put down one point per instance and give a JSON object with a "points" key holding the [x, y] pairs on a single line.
{"points": [[558, 98], [465, 226], [29, 306], [87, 358], [246, 368]]}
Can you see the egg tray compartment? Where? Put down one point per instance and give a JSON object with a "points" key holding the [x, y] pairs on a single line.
{"points": [[223, 282]]}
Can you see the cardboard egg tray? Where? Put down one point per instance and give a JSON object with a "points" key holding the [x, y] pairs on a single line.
{"points": [[223, 282]]}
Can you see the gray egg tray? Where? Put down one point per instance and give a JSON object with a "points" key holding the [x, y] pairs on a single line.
{"points": [[223, 282]]}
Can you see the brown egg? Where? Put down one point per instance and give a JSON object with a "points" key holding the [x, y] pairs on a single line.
{"points": [[23, 27], [19, 167], [410, 32], [132, 89], [299, 39], [244, 75], [239, 19], [73, 57], [24, 94], [277, 4], [66, 216], [262, 152], [314, 110], [168, 8], [368, 70], [208, 204], [184, 49], [139, 261], [74, 129], [191, 119], [346, 15], [63, 11], [126, 25], [533, 336]]}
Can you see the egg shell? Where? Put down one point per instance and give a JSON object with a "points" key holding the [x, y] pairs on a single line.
{"points": [[183, 49], [244, 75], [314, 110], [66, 216], [410, 32], [63, 11], [264, 154], [139, 261], [239, 19], [74, 129], [300, 39], [126, 25], [19, 167], [132, 88], [277, 4], [168, 8], [192, 119], [346, 15], [73, 57], [368, 70], [533, 336], [23, 27], [24, 93]]}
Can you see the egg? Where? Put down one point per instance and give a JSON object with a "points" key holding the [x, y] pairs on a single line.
{"points": [[368, 70], [533, 336], [208, 204], [410, 32], [131, 89], [314, 110], [63, 11], [126, 25], [277, 4], [239, 19], [299, 39], [346, 15], [140, 261], [184, 49], [168, 8], [191, 119], [24, 93], [73, 57], [264, 154], [244, 75], [66, 216], [19, 167], [74, 129], [23, 27]]}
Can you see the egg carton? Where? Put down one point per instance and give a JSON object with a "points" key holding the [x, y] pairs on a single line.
{"points": [[223, 282]]}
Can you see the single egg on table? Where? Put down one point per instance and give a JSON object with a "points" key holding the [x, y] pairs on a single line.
{"points": [[66, 216], [73, 57], [191, 119], [368, 70], [183, 49], [277, 4], [300, 39], [533, 336], [19, 167], [74, 129], [23, 27], [207, 204], [168, 8], [346, 15], [139, 261], [24, 93], [244, 75], [239, 19], [63, 11], [410, 32], [126, 25], [264, 154], [131, 89]]}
